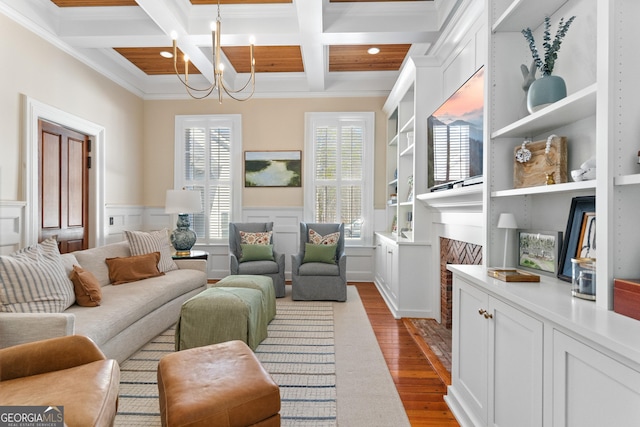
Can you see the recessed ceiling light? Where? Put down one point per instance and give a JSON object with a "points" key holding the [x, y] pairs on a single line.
{"points": [[373, 51], [166, 54]]}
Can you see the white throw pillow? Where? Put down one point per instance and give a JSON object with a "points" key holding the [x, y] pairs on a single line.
{"points": [[141, 243], [33, 280]]}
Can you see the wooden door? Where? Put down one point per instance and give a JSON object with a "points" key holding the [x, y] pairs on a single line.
{"points": [[63, 186]]}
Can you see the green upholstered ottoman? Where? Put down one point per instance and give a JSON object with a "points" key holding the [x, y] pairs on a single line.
{"points": [[262, 283], [221, 314]]}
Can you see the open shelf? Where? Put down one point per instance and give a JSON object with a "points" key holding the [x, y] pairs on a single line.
{"points": [[546, 189], [407, 151], [627, 179], [408, 127], [394, 141], [577, 106], [521, 14]]}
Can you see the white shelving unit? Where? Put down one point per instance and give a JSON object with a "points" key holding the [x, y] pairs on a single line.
{"points": [[579, 352], [403, 257]]}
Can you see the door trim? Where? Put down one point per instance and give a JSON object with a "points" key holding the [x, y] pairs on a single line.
{"points": [[34, 110]]}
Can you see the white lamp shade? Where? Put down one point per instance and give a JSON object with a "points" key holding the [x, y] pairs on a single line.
{"points": [[182, 202], [507, 220]]}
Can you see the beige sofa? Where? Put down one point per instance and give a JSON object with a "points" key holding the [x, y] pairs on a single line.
{"points": [[130, 314]]}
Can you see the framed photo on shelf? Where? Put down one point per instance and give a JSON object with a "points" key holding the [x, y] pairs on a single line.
{"points": [[587, 240], [272, 168], [539, 251], [581, 217]]}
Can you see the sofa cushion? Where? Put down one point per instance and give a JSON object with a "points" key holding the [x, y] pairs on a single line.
{"points": [[93, 259], [33, 280], [318, 239], [319, 253], [86, 287], [133, 268], [141, 242], [123, 305], [256, 253]]}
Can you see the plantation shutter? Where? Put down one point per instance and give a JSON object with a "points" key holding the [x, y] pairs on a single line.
{"points": [[207, 168], [338, 174]]}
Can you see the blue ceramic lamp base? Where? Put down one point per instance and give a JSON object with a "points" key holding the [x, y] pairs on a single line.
{"points": [[183, 238]]}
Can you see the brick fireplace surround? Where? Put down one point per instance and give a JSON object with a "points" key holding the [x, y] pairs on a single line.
{"points": [[453, 252]]}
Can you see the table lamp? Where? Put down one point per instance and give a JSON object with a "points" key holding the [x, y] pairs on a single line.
{"points": [[508, 222], [183, 203]]}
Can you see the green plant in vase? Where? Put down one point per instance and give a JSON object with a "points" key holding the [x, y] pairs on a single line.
{"points": [[549, 88]]}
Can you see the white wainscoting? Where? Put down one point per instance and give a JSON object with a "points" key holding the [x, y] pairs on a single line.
{"points": [[286, 227], [11, 226]]}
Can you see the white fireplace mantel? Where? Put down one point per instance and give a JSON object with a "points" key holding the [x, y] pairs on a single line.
{"points": [[463, 199]]}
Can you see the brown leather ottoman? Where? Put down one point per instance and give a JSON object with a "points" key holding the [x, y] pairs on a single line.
{"points": [[217, 385]]}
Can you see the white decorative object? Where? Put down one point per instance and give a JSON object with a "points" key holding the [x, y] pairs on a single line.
{"points": [[523, 154], [586, 172]]}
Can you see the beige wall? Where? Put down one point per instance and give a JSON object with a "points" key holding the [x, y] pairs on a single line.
{"points": [[140, 134], [33, 67], [267, 124]]}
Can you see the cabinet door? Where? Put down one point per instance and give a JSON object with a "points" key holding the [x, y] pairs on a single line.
{"points": [[381, 263], [470, 338], [392, 270], [515, 367], [592, 389]]}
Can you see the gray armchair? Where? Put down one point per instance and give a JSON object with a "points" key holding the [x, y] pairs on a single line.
{"points": [[313, 281], [273, 269]]}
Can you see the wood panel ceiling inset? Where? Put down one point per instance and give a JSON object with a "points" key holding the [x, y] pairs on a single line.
{"points": [[356, 57], [90, 3], [269, 59], [148, 59]]}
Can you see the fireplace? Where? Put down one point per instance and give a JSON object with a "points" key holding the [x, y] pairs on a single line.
{"points": [[453, 252]]}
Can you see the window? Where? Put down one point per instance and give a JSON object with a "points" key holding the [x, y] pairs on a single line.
{"points": [[208, 159], [339, 172]]}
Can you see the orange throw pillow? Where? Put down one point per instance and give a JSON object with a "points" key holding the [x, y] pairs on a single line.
{"points": [[86, 287], [133, 268]]}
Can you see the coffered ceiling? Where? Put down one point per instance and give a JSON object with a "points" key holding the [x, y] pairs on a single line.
{"points": [[302, 47]]}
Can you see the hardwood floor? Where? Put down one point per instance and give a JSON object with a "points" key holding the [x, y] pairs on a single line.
{"points": [[420, 387]]}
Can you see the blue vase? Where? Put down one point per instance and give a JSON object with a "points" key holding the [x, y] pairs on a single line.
{"points": [[182, 237], [545, 91]]}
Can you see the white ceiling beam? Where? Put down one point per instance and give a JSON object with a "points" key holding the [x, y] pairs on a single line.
{"points": [[166, 16], [311, 46]]}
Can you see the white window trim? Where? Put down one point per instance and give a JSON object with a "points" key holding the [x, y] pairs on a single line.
{"points": [[311, 119], [235, 122]]}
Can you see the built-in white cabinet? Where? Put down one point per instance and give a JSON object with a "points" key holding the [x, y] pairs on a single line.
{"points": [[529, 354], [497, 370], [399, 275], [590, 388]]}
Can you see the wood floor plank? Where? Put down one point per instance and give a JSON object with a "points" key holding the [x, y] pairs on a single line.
{"points": [[420, 386]]}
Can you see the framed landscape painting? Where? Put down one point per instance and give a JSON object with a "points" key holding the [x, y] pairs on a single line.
{"points": [[539, 251], [272, 168]]}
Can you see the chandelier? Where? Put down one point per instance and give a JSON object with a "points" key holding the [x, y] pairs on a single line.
{"points": [[218, 69]]}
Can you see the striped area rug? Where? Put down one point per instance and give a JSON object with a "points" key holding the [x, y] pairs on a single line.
{"points": [[299, 353]]}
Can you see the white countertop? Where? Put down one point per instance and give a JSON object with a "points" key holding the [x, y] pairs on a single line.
{"points": [[551, 299]]}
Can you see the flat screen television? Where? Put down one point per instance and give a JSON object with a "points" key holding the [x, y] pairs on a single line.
{"points": [[455, 136]]}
